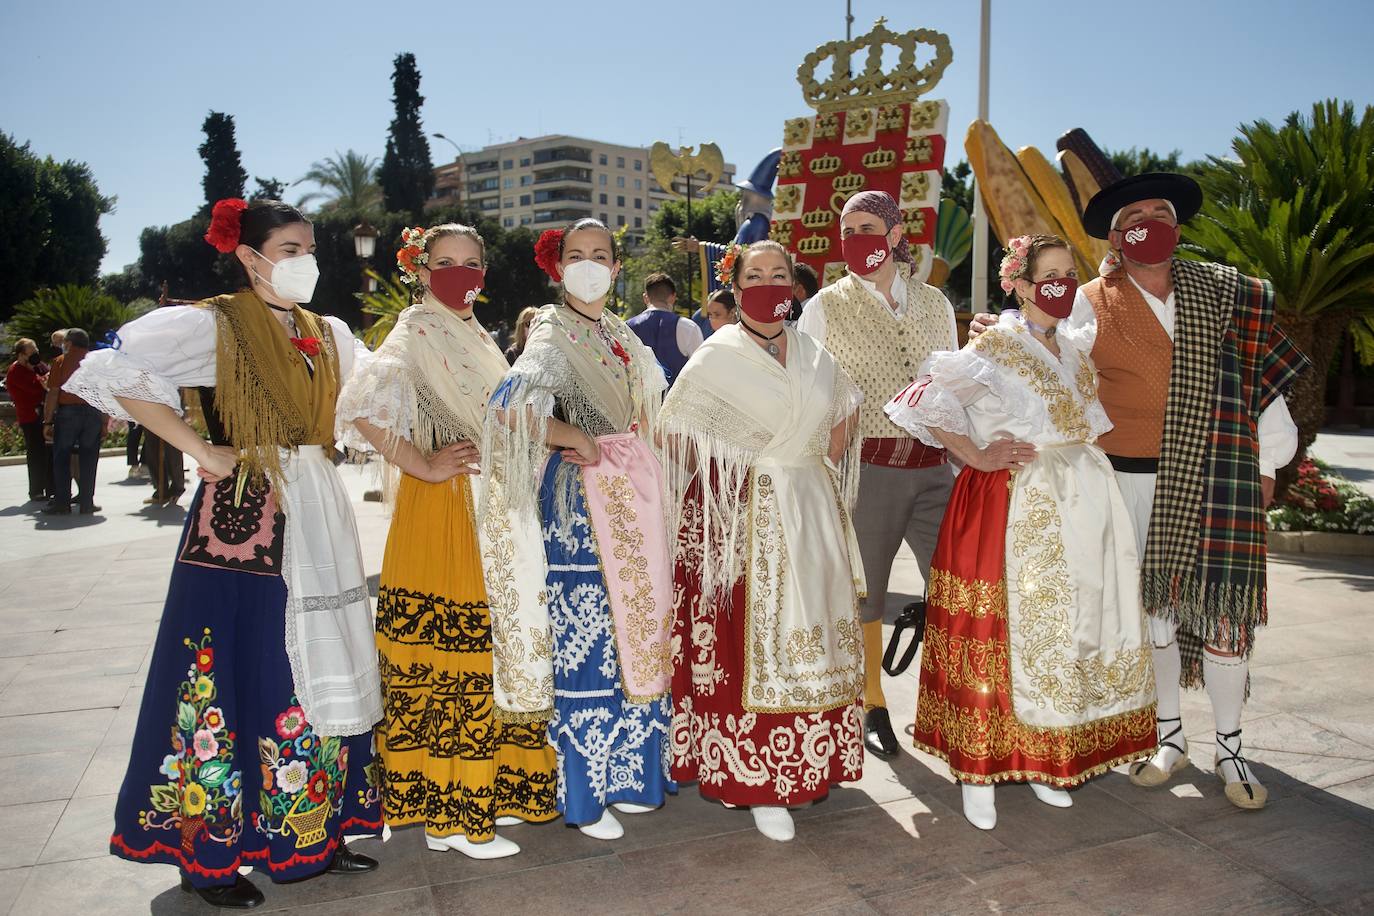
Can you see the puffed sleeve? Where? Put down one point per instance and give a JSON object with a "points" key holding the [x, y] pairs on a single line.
{"points": [[950, 381], [353, 353], [158, 354]]}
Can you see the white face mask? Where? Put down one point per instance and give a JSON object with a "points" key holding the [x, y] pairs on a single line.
{"points": [[587, 280], [293, 279]]}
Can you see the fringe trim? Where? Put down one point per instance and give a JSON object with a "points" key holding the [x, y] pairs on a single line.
{"points": [[1060, 782], [1220, 614]]}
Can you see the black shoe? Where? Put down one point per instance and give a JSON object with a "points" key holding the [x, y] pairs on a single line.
{"points": [[241, 895], [878, 736], [348, 862], [89, 510], [56, 509]]}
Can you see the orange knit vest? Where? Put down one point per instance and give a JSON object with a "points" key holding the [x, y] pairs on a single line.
{"points": [[1134, 356]]}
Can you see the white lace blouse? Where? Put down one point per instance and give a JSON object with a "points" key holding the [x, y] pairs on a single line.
{"points": [[1008, 386], [168, 349]]}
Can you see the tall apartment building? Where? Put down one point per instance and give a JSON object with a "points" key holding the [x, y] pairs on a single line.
{"points": [[546, 182]]}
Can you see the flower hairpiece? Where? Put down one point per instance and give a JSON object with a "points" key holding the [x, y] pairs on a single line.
{"points": [[226, 224], [1014, 262], [412, 254], [547, 252], [725, 267]]}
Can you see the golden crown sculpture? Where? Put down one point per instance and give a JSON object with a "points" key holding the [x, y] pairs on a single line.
{"points": [[845, 89]]}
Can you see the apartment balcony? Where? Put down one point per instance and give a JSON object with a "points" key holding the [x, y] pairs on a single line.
{"points": [[561, 154], [560, 215], [581, 176]]}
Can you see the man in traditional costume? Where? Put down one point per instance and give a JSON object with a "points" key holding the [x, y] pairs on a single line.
{"points": [[881, 325]]}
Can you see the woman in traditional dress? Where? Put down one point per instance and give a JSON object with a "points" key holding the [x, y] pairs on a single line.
{"points": [[575, 546], [265, 669], [420, 402], [767, 649], [1035, 666]]}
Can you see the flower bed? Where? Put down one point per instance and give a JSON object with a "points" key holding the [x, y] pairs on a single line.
{"points": [[12, 439], [1320, 501]]}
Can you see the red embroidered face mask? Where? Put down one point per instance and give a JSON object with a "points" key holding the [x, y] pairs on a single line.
{"points": [[1150, 242], [457, 286], [865, 253], [766, 304], [1055, 297]]}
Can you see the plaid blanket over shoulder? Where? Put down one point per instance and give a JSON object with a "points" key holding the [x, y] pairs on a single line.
{"points": [[1204, 564]]}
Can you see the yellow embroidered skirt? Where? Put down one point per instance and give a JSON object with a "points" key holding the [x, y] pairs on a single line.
{"points": [[449, 763]]}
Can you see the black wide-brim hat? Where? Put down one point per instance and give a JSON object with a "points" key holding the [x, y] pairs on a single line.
{"points": [[1180, 190]]}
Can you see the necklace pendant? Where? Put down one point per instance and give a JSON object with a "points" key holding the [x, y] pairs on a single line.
{"points": [[773, 350]]}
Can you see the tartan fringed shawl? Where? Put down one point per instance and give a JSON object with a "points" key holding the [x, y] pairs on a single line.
{"points": [[1204, 564]]}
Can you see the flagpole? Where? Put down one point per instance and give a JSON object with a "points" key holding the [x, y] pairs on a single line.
{"points": [[980, 221]]}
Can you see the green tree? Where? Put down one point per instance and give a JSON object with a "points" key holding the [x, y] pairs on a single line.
{"points": [[406, 174], [1296, 206], [224, 174], [1139, 161], [346, 182], [956, 184], [49, 223], [713, 218], [268, 189], [68, 306]]}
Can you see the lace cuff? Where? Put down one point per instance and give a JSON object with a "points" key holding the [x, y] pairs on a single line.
{"points": [[106, 374], [383, 395], [924, 406]]}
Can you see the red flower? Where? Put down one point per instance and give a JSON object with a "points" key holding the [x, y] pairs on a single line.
{"points": [[310, 346], [620, 353], [546, 252], [224, 224], [318, 787], [205, 659]]}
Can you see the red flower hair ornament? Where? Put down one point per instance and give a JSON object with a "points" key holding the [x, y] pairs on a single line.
{"points": [[225, 221], [546, 252]]}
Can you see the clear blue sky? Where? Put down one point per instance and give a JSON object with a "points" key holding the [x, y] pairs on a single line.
{"points": [[125, 86]]}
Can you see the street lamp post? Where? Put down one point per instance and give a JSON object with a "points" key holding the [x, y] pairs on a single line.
{"points": [[365, 246]]}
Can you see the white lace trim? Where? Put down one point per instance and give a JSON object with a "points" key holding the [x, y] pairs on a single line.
{"points": [[105, 375], [384, 396]]}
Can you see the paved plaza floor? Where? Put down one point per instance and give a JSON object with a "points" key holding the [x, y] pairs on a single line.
{"points": [[80, 598]]}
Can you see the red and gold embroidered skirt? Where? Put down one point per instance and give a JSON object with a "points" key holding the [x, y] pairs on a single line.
{"points": [[964, 711]]}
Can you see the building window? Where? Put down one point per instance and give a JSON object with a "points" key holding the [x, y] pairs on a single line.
{"points": [[526, 180], [526, 220], [508, 164], [603, 180], [507, 182], [524, 163], [603, 200], [619, 221], [508, 203], [602, 158], [639, 165], [639, 203], [620, 181], [524, 200], [639, 222], [639, 184], [620, 200], [508, 222], [620, 162], [604, 219]]}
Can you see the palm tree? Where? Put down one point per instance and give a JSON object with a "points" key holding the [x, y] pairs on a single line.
{"points": [[1296, 207], [347, 182]]}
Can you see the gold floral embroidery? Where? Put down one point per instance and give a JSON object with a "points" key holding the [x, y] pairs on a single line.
{"points": [[967, 596], [647, 628], [1054, 675], [965, 662], [1065, 410], [991, 734]]}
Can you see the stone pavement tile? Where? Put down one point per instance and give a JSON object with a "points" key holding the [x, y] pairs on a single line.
{"points": [[901, 844], [1324, 686], [50, 731], [738, 872], [1353, 722], [1354, 799], [1296, 773], [415, 901], [598, 886], [540, 845], [87, 615], [9, 667], [1307, 641], [1307, 847], [11, 882], [108, 886], [41, 777], [686, 816], [1037, 831], [400, 869], [1019, 889], [1136, 875], [76, 639], [1192, 795], [45, 594], [82, 666], [58, 695], [105, 773], [24, 829], [83, 831]]}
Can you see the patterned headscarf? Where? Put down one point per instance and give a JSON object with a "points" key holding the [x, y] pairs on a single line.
{"points": [[881, 204]]}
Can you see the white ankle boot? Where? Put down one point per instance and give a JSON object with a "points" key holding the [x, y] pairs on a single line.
{"points": [[632, 808], [1058, 798], [608, 828], [495, 848], [509, 820], [774, 822], [980, 806]]}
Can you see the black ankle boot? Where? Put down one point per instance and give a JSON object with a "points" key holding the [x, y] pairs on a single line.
{"points": [[348, 862], [878, 735], [241, 895]]}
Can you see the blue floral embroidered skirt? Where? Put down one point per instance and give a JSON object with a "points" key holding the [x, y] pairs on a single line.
{"points": [[609, 749], [225, 769]]}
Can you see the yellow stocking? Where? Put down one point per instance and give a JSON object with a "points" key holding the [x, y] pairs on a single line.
{"points": [[873, 665]]}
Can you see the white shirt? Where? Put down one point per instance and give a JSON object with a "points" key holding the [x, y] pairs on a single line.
{"points": [[688, 334], [1276, 431], [812, 319]]}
